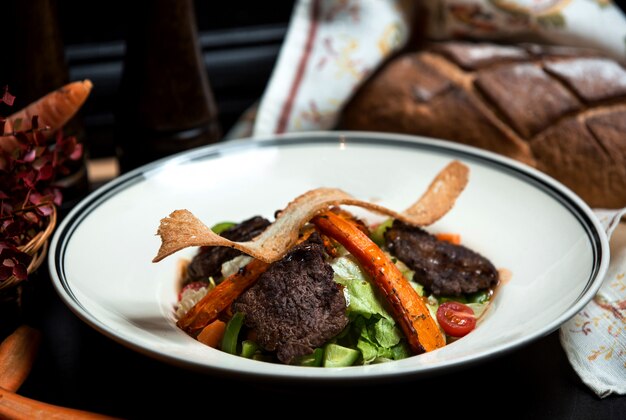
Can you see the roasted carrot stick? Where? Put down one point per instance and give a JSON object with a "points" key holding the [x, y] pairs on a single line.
{"points": [[410, 311], [221, 297], [54, 109], [17, 354], [212, 334]]}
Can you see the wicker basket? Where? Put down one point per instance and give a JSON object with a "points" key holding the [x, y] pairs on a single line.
{"points": [[37, 248]]}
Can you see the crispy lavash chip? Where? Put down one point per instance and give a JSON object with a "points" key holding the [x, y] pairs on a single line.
{"points": [[181, 229]]}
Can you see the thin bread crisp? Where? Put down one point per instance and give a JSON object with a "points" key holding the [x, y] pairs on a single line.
{"points": [[181, 229]]}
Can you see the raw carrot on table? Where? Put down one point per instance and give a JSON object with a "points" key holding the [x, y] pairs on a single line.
{"points": [[14, 406], [410, 311], [17, 355]]}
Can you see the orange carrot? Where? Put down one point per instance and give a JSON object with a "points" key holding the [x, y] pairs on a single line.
{"points": [[212, 334], [54, 109], [13, 406], [17, 354], [410, 311], [453, 238], [221, 297]]}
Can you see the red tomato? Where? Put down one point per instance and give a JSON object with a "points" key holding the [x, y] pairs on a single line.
{"points": [[456, 319]]}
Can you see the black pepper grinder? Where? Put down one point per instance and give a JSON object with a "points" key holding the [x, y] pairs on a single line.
{"points": [[166, 104], [34, 66], [35, 60]]}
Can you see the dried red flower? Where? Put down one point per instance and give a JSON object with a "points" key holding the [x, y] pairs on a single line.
{"points": [[28, 190]]}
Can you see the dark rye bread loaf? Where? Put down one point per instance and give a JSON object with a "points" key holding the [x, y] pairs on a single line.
{"points": [[561, 110]]}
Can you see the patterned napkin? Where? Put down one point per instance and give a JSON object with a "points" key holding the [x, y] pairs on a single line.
{"points": [[597, 24], [332, 46], [595, 339]]}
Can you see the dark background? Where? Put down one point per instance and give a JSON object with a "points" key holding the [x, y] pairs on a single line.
{"points": [[240, 41]]}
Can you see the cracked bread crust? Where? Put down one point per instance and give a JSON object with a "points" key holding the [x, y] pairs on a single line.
{"points": [[561, 110]]}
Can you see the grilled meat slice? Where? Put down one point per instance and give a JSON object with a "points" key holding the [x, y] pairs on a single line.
{"points": [[208, 262], [444, 268], [295, 306]]}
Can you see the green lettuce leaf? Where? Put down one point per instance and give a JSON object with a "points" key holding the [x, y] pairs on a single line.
{"points": [[362, 299], [386, 334], [372, 330], [368, 350]]}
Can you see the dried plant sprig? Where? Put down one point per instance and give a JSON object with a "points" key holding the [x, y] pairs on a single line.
{"points": [[31, 162]]}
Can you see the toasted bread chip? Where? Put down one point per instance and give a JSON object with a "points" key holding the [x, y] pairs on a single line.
{"points": [[439, 197], [181, 229]]}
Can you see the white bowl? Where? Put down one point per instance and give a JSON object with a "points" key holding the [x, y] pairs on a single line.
{"points": [[522, 220]]}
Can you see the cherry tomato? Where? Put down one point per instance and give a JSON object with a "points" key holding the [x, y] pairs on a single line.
{"points": [[456, 319]]}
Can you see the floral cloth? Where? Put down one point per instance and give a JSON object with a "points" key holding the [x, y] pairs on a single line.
{"points": [[332, 46], [595, 339], [597, 24]]}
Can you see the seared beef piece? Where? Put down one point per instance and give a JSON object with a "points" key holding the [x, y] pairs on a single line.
{"points": [[444, 268], [295, 306], [208, 262]]}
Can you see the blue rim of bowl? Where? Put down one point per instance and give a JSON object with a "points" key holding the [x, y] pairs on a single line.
{"points": [[569, 200]]}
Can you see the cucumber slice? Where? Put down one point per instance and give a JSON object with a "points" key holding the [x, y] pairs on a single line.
{"points": [[314, 359], [248, 348], [339, 356]]}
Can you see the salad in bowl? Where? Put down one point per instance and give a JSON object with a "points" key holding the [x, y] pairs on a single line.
{"points": [[322, 287]]}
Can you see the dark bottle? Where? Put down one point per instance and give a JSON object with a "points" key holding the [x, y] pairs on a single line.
{"points": [[35, 60], [34, 66], [165, 104]]}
